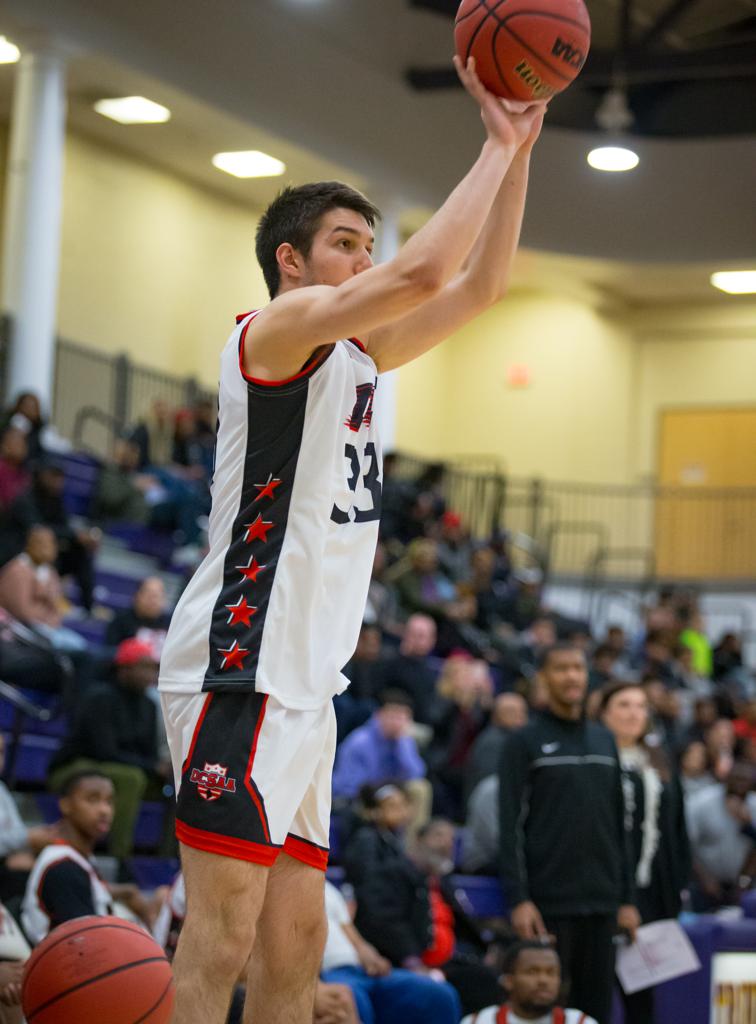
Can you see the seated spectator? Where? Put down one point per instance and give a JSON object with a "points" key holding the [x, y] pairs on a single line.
{"points": [[727, 657], [704, 715], [719, 740], [31, 590], [357, 703], [382, 607], [480, 849], [686, 676], [656, 659], [116, 734], [15, 477], [25, 415], [722, 830], [422, 587], [27, 660], [392, 892], [411, 670], [188, 451], [692, 635], [123, 494], [510, 711], [665, 706], [694, 768], [454, 547], [19, 844], [745, 724], [464, 694], [488, 591], [383, 994], [532, 976], [601, 667], [523, 605], [64, 883], [382, 750], [43, 505], [537, 638], [147, 619], [14, 951], [153, 435]]}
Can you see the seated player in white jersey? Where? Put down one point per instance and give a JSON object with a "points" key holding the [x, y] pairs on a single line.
{"points": [[532, 976], [256, 645]]}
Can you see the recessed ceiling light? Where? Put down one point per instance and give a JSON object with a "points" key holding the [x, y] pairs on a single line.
{"points": [[9, 52], [735, 282], [133, 110], [613, 158], [250, 163]]}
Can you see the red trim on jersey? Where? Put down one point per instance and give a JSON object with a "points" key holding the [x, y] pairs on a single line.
{"points": [[226, 846], [358, 343], [558, 1015], [307, 852], [248, 774], [313, 364], [195, 734]]}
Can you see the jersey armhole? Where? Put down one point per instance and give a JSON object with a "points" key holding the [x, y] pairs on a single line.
{"points": [[317, 358]]}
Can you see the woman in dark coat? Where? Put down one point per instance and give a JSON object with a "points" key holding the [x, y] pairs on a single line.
{"points": [[654, 819]]}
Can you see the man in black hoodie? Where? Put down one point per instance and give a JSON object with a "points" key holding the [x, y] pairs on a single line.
{"points": [[564, 856]]}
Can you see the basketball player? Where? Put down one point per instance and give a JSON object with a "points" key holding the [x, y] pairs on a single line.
{"points": [[257, 642]]}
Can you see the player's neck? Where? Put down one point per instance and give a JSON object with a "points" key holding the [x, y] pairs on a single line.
{"points": [[71, 835]]}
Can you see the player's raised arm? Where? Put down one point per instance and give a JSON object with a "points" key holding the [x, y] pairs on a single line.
{"points": [[333, 292]]}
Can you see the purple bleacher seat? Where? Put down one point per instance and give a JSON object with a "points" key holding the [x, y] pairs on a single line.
{"points": [[57, 726], [479, 895], [151, 872], [748, 903], [81, 472], [149, 827], [33, 758], [92, 630], [48, 806], [144, 541]]}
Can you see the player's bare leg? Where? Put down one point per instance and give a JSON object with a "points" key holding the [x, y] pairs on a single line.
{"points": [[224, 897], [288, 950]]}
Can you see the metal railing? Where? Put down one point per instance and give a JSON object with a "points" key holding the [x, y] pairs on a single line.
{"points": [[594, 533]]}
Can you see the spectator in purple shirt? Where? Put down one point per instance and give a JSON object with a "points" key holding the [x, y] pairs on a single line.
{"points": [[384, 750]]}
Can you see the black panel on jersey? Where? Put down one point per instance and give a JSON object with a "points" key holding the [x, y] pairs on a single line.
{"points": [[275, 423]]}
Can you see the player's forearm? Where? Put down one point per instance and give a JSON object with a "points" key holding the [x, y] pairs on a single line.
{"points": [[439, 249], [489, 267]]}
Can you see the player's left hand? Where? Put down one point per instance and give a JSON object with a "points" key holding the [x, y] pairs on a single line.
{"points": [[11, 974]]}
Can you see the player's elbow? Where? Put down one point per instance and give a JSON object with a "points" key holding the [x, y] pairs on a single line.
{"points": [[423, 279]]}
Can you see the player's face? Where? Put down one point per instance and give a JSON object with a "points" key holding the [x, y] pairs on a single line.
{"points": [[342, 247], [90, 807], [534, 983]]}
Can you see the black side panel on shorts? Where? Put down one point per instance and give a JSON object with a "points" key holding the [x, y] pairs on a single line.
{"points": [[217, 795], [275, 423]]}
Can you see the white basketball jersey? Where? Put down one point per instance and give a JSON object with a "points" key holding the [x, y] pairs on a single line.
{"points": [[34, 917], [276, 605]]}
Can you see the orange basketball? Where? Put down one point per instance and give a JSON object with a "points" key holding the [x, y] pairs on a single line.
{"points": [[524, 49], [97, 970]]}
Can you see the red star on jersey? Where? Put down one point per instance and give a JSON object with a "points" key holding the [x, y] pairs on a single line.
{"points": [[251, 569], [266, 490], [233, 657], [257, 531], [240, 612]]}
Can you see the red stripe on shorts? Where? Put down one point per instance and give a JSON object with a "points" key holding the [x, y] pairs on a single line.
{"points": [[226, 846], [308, 853]]}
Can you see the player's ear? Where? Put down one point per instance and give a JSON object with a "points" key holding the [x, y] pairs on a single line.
{"points": [[289, 260]]}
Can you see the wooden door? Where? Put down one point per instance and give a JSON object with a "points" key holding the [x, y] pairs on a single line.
{"points": [[706, 517]]}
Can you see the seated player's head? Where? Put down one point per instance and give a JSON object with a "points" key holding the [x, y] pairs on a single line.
{"points": [[532, 976], [86, 804], [315, 234], [136, 666]]}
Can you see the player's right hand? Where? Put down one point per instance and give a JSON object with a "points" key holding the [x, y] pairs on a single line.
{"points": [[508, 123]]}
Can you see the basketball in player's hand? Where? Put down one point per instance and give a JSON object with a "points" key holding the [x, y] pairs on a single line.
{"points": [[97, 970], [524, 49]]}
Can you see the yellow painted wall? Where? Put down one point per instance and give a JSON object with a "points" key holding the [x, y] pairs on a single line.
{"points": [[151, 265], [574, 420]]}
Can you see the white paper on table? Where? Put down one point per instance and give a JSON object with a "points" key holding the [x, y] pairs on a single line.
{"points": [[661, 951]]}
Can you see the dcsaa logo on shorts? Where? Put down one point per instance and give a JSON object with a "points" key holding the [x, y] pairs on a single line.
{"points": [[212, 781]]}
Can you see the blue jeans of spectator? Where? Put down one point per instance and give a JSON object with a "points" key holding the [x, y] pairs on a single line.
{"points": [[400, 997]]}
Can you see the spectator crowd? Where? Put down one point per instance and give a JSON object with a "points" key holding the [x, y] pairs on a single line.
{"points": [[607, 780]]}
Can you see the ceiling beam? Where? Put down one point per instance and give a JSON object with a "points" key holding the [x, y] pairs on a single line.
{"points": [[666, 20], [733, 62]]}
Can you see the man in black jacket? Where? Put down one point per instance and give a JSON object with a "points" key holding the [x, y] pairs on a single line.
{"points": [[564, 856]]}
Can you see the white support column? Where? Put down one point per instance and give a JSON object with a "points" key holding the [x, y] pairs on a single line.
{"points": [[388, 242], [33, 200]]}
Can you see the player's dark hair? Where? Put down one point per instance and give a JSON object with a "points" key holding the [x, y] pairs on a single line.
{"points": [[294, 216], [71, 783], [395, 696], [512, 953], [560, 645]]}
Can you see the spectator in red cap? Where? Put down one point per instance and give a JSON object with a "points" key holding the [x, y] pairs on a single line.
{"points": [[454, 547], [115, 732]]}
